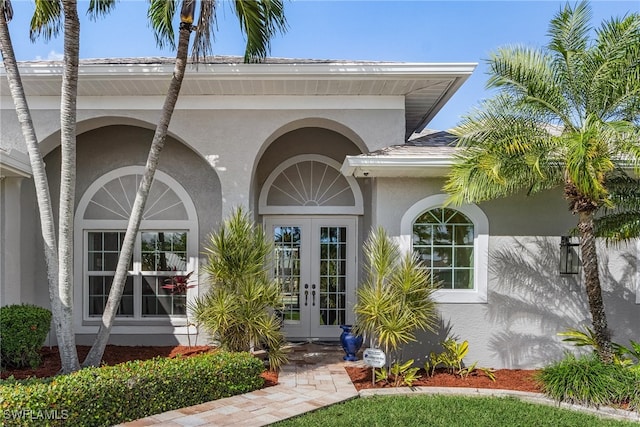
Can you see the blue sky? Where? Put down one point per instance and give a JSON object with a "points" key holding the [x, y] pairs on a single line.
{"points": [[405, 31]]}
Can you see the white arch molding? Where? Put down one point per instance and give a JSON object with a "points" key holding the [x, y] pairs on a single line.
{"points": [[310, 184], [106, 205]]}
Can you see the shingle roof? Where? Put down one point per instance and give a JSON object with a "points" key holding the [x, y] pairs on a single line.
{"points": [[427, 143]]}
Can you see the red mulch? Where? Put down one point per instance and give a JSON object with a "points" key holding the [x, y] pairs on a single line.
{"points": [[113, 355], [506, 379]]}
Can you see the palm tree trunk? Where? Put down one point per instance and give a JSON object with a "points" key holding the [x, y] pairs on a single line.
{"points": [[40, 180], [593, 288], [115, 294], [67, 344]]}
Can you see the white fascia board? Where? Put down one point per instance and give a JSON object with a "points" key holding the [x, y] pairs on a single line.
{"points": [[301, 70], [14, 163], [396, 166], [221, 102]]}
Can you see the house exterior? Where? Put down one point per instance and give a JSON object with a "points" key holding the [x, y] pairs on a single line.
{"points": [[320, 152]]}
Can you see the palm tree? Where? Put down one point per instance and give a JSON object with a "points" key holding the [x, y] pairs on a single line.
{"points": [[259, 20], [58, 254], [565, 115]]}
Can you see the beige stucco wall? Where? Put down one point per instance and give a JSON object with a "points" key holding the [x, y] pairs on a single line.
{"points": [[528, 301]]}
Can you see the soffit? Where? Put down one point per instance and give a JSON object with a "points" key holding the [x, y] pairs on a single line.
{"points": [[425, 86]]}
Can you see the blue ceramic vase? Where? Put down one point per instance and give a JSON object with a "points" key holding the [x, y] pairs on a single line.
{"points": [[350, 343]]}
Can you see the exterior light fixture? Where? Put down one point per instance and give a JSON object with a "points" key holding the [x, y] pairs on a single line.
{"points": [[569, 259]]}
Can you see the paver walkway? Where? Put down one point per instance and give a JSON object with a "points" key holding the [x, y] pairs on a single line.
{"points": [[315, 377]]}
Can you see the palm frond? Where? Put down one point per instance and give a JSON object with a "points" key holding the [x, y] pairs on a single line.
{"points": [[160, 15], [504, 148], [205, 30], [526, 74], [46, 20], [619, 227], [259, 20], [100, 8], [569, 29], [614, 70], [619, 221]]}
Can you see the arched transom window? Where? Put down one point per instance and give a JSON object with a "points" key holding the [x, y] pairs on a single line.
{"points": [[310, 184], [443, 239]]}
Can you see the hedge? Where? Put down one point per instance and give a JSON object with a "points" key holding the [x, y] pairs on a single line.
{"points": [[23, 329], [113, 394]]}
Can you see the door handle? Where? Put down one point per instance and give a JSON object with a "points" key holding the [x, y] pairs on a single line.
{"points": [[313, 295], [306, 295]]}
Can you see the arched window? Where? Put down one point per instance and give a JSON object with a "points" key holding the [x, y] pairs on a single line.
{"points": [[453, 242], [165, 247], [443, 239], [310, 184]]}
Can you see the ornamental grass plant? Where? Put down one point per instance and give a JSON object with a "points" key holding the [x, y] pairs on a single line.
{"points": [[240, 309]]}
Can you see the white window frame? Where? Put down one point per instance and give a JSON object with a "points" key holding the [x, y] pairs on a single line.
{"points": [[132, 325], [480, 247]]}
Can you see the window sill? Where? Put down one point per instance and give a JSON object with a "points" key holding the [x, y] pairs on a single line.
{"points": [[459, 297], [165, 321]]}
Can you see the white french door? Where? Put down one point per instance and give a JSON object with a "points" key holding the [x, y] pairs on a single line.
{"points": [[316, 268]]}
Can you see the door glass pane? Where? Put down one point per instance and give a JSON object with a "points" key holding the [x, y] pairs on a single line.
{"points": [[287, 270], [332, 292]]}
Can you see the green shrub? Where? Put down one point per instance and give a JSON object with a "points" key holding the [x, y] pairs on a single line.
{"points": [[23, 329], [240, 309], [114, 394], [395, 299], [587, 380]]}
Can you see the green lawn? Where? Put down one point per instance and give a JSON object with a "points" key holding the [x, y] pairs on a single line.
{"points": [[449, 411]]}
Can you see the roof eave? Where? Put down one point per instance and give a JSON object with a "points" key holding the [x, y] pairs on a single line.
{"points": [[396, 166], [14, 164]]}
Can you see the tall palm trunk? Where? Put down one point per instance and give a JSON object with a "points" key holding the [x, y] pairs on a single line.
{"points": [[69, 93], [41, 183], [97, 350], [592, 284]]}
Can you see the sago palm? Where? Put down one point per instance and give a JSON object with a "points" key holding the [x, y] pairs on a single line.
{"points": [[565, 115], [240, 308], [259, 20]]}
